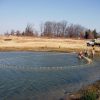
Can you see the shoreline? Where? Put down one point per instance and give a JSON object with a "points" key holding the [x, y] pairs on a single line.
{"points": [[43, 49], [93, 88], [40, 49]]}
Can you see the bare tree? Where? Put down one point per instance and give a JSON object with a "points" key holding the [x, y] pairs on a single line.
{"points": [[75, 31], [29, 30], [48, 29], [18, 33], [41, 28], [63, 28], [54, 29]]}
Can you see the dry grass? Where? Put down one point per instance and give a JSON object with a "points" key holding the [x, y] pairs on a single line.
{"points": [[42, 44]]}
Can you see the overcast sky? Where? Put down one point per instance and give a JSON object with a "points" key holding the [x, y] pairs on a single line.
{"points": [[15, 14]]}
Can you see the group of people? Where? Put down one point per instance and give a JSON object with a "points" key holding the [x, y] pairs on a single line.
{"points": [[87, 54]]}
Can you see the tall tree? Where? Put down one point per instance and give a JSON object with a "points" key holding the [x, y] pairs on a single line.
{"points": [[95, 33], [86, 35], [29, 30]]}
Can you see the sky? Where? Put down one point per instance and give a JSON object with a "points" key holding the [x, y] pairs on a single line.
{"points": [[16, 14]]}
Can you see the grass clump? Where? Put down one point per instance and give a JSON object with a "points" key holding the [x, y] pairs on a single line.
{"points": [[88, 95]]}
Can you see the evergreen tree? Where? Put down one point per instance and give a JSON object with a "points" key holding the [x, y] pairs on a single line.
{"points": [[95, 33], [86, 35]]}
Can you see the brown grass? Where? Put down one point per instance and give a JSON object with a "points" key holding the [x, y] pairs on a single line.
{"points": [[42, 44]]}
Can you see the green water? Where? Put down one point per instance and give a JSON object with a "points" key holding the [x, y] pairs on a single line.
{"points": [[43, 75]]}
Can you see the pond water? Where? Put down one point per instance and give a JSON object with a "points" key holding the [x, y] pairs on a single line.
{"points": [[43, 75]]}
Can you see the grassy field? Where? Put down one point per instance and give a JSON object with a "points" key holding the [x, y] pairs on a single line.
{"points": [[13, 43]]}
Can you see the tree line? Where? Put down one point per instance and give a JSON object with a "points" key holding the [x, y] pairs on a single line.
{"points": [[60, 29]]}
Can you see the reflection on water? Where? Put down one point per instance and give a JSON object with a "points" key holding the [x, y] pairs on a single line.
{"points": [[42, 75]]}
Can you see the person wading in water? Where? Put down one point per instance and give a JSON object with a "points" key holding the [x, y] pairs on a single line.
{"points": [[93, 52], [85, 56], [80, 54]]}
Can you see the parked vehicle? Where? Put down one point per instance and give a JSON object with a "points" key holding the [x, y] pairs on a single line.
{"points": [[90, 43], [93, 42]]}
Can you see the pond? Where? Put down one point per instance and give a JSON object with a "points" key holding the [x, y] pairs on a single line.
{"points": [[43, 75]]}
